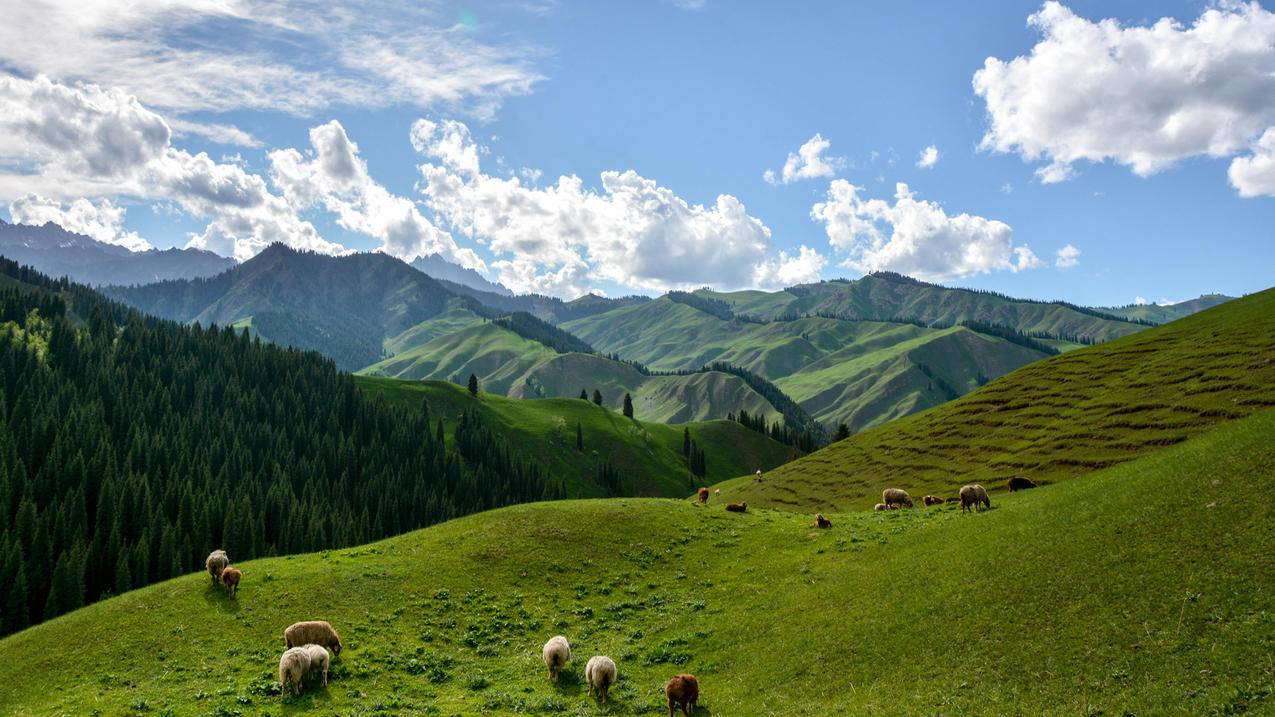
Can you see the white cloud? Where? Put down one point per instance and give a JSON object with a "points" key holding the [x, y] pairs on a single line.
{"points": [[221, 55], [928, 157], [1140, 301], [101, 220], [808, 162], [563, 237], [62, 141], [1067, 257], [1142, 96], [916, 237], [1254, 175], [226, 134], [786, 270], [335, 177]]}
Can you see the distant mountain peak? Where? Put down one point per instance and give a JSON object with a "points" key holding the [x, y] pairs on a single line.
{"points": [[437, 267]]}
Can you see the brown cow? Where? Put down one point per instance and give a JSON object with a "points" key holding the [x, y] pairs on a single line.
{"points": [[737, 507], [682, 691], [230, 578], [821, 521], [703, 495]]}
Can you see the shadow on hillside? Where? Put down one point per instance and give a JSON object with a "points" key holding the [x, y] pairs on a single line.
{"points": [[217, 596]]}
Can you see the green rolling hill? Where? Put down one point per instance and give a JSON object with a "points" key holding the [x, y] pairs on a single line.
{"points": [[1055, 419], [1143, 588], [862, 373], [511, 365], [647, 454], [1155, 313]]}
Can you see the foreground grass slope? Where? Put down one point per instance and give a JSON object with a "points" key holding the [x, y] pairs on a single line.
{"points": [[1146, 588], [648, 455], [1054, 419]]}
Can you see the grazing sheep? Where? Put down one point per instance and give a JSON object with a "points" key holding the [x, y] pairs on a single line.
{"points": [[880, 506], [737, 507], [821, 521], [703, 495], [972, 496], [717, 491], [230, 578], [216, 562], [932, 500], [293, 666], [320, 660], [600, 674], [682, 691], [312, 632], [896, 496], [1020, 483], [557, 653]]}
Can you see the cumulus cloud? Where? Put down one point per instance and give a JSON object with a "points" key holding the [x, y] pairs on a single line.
{"points": [[89, 140], [928, 157], [808, 162], [334, 176], [1142, 96], [916, 237], [785, 270], [562, 237], [1254, 175], [1067, 257], [101, 220], [186, 56]]}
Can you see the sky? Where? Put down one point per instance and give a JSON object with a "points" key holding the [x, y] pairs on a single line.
{"points": [[1098, 152]]}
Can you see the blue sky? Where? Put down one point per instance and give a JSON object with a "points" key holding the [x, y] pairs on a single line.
{"points": [[683, 105]]}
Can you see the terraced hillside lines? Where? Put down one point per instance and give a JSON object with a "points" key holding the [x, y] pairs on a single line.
{"points": [[647, 454], [1054, 419], [1146, 588]]}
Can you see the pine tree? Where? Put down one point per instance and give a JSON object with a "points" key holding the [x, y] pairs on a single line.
{"points": [[473, 385], [584, 395], [597, 397], [843, 432], [628, 406]]}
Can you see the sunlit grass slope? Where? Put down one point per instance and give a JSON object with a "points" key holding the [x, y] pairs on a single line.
{"points": [[648, 455], [1146, 588], [1054, 419]]}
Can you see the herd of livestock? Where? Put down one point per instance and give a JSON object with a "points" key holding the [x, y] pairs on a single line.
{"points": [[310, 645]]}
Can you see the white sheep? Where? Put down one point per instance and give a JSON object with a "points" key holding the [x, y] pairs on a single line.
{"points": [[312, 632], [600, 673], [557, 653], [320, 660], [216, 562], [974, 497], [293, 666]]}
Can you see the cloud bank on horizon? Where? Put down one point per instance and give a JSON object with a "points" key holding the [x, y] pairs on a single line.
{"points": [[95, 107]]}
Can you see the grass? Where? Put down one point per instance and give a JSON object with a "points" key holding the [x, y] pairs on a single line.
{"points": [[647, 454], [1052, 420], [1145, 588]]}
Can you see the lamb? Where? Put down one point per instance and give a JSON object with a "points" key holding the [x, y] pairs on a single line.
{"points": [[230, 578], [556, 653], [737, 507], [682, 691], [293, 666], [1018, 483], [972, 496], [703, 495], [312, 632], [881, 506], [932, 500], [896, 496], [821, 521], [216, 562], [320, 660], [600, 674]]}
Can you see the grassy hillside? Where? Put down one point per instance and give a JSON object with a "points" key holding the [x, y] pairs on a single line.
{"points": [[1145, 588], [1054, 419], [1164, 314], [862, 373], [886, 296], [460, 343], [647, 454]]}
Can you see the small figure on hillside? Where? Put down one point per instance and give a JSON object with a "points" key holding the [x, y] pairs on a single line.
{"points": [[703, 495], [821, 521], [758, 475], [1018, 483], [974, 498], [682, 691], [556, 654], [216, 562]]}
